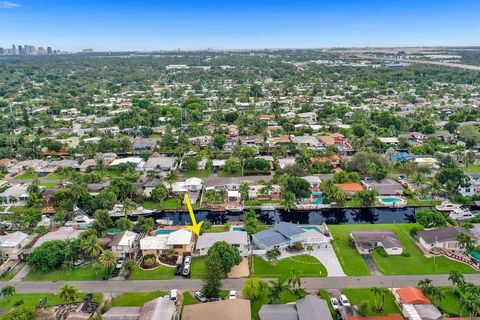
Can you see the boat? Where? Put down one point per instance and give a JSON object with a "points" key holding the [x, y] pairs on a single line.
{"points": [[311, 206], [446, 206], [164, 222], [461, 214], [235, 209], [80, 220], [266, 207]]}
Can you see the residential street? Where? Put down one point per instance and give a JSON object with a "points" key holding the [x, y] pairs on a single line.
{"points": [[119, 286]]}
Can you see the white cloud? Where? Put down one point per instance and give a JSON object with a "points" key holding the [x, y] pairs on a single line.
{"points": [[8, 5]]}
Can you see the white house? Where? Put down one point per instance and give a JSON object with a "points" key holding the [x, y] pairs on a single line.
{"points": [[12, 244], [367, 240], [444, 238], [238, 239], [125, 244], [16, 195]]}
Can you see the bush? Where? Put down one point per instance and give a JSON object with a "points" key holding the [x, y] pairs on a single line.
{"points": [[381, 251], [351, 242], [413, 232], [149, 262], [405, 254], [363, 308], [408, 193], [298, 246]]}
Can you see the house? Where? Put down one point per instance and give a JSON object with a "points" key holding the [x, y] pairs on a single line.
{"points": [[411, 295], [350, 188], [236, 309], [286, 234], [136, 162], [159, 163], [308, 117], [201, 141], [473, 188], [391, 141], [179, 241], [284, 162], [335, 160], [445, 238], [386, 187], [251, 141], [16, 195], [125, 244], [12, 244], [310, 142], [415, 305], [238, 239], [144, 144], [157, 309], [314, 182], [309, 308], [87, 164], [62, 233], [367, 240]]}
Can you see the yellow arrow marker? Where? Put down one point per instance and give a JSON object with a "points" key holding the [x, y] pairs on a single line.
{"points": [[194, 227]]}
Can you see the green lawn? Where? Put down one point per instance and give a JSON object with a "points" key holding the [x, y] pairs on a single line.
{"points": [[136, 299], [188, 299], [197, 268], [322, 293], [159, 273], [357, 296], [26, 176], [417, 202], [415, 263], [472, 168], [76, 274], [49, 184], [216, 229], [198, 174], [255, 305], [172, 203], [451, 304], [32, 299], [55, 175], [308, 266]]}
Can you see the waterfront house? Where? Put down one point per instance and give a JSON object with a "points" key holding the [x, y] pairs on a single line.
{"points": [[444, 238], [238, 239], [235, 309], [179, 241], [125, 244], [367, 240]]}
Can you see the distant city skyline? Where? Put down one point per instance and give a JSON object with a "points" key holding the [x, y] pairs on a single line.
{"points": [[144, 26]]}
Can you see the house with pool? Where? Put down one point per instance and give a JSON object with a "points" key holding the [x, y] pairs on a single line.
{"points": [[180, 241], [237, 239], [286, 234]]}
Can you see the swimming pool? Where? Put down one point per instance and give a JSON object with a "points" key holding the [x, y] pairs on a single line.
{"points": [[163, 231], [390, 199], [238, 229], [426, 198], [317, 201], [317, 194], [309, 228]]}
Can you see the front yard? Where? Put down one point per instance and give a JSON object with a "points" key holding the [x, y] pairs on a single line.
{"points": [[136, 299], [357, 296], [77, 274], [413, 262], [159, 273], [307, 265], [32, 299]]}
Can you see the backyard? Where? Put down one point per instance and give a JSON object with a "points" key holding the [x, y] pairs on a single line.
{"points": [[412, 262], [159, 273], [307, 265]]}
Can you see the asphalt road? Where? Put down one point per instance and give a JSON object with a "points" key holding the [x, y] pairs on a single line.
{"points": [[119, 286]]}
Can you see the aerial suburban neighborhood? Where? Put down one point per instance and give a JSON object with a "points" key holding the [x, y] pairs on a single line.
{"points": [[216, 184]]}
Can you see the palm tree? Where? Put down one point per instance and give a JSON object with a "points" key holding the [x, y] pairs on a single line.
{"points": [[383, 293], [243, 189], [457, 279], [278, 287], [128, 206], [288, 200], [272, 256], [367, 197], [7, 291], [437, 296], [425, 285], [309, 249], [417, 179], [108, 259], [91, 246], [375, 291], [68, 293], [171, 177], [465, 241], [338, 196], [294, 280]]}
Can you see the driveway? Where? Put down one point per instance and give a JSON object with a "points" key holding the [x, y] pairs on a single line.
{"points": [[371, 264], [326, 255]]}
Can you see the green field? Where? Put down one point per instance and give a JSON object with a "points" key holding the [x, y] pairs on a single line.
{"points": [[308, 266], [27, 176], [216, 229], [415, 263], [76, 274], [357, 296], [136, 299], [198, 174], [472, 168], [159, 273]]}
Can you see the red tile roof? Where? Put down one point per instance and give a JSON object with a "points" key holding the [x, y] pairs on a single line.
{"points": [[411, 295]]}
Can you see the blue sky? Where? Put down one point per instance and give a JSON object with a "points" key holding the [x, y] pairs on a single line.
{"points": [[157, 24]]}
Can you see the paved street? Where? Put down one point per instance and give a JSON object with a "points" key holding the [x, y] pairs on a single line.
{"points": [[119, 286]]}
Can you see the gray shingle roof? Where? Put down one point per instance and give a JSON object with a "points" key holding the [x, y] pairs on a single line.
{"points": [[278, 312], [288, 229], [313, 308], [270, 238], [368, 238], [206, 240], [441, 234]]}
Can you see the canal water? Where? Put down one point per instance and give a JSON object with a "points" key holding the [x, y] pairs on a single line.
{"points": [[329, 216]]}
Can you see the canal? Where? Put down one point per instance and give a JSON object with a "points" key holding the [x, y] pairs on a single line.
{"points": [[329, 216]]}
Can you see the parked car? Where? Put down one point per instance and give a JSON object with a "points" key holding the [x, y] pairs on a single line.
{"points": [[214, 299], [200, 297], [187, 260], [120, 263], [344, 301], [186, 271], [232, 295], [335, 303], [78, 263], [173, 294]]}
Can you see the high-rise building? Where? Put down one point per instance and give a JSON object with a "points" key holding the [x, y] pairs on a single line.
{"points": [[49, 50], [21, 51], [41, 50], [2, 51], [14, 49]]}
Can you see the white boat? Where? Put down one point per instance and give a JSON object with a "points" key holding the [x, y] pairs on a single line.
{"points": [[81, 220], [164, 222], [447, 206], [461, 214], [235, 209]]}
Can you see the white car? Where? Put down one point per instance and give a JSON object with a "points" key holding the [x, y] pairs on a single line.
{"points": [[173, 294], [344, 301], [335, 303], [187, 260], [232, 295]]}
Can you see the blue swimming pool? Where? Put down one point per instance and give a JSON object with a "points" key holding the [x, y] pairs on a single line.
{"points": [[390, 199], [426, 198], [309, 228], [238, 229], [163, 231], [317, 194], [317, 201]]}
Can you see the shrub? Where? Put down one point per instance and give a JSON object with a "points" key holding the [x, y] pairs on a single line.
{"points": [[351, 242], [363, 308], [381, 251], [298, 246], [413, 232], [405, 254]]}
